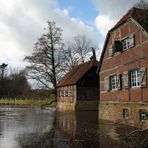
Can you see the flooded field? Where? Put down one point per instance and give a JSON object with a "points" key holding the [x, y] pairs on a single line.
{"points": [[45, 128], [25, 127]]}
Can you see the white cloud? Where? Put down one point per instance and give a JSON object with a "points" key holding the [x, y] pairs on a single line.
{"points": [[103, 24], [109, 12], [115, 9], [22, 22]]}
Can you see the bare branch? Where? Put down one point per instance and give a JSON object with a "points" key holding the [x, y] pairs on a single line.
{"points": [[44, 61]]}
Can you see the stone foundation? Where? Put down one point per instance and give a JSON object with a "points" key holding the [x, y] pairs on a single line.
{"points": [[114, 112], [65, 106], [110, 111], [80, 105]]}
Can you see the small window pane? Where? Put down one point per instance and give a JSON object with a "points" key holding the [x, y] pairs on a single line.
{"points": [[128, 43], [114, 82], [69, 93], [135, 78], [61, 93], [143, 115], [125, 44], [66, 93], [125, 113]]}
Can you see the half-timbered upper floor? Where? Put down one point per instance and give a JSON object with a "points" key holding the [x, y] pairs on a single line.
{"points": [[124, 60]]}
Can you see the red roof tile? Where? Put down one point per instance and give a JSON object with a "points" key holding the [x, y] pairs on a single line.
{"points": [[76, 73]]}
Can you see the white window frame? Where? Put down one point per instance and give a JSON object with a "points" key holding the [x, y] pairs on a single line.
{"points": [[114, 82], [69, 93], [128, 42], [125, 113], [143, 114], [65, 93], [135, 78], [125, 44], [61, 93]]}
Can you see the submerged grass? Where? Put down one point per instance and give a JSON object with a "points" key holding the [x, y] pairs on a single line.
{"points": [[28, 102]]}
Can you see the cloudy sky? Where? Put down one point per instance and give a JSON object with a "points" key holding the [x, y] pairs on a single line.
{"points": [[23, 21]]}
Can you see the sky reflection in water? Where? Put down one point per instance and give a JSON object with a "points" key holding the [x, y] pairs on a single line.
{"points": [[45, 128], [23, 127]]}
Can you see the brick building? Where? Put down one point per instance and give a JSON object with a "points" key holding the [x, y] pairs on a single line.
{"points": [[123, 70], [79, 88]]}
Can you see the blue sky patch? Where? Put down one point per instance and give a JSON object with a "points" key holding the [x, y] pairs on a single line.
{"points": [[82, 9]]}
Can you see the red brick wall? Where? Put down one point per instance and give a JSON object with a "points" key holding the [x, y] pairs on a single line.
{"points": [[135, 57]]}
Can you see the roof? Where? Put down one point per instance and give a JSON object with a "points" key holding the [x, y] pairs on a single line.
{"points": [[139, 15], [74, 75]]}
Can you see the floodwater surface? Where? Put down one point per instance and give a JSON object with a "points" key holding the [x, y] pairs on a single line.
{"points": [[46, 128], [26, 127], [83, 130]]}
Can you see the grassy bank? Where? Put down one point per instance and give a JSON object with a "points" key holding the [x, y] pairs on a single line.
{"points": [[27, 102]]}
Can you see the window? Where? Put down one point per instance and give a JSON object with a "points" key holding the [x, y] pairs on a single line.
{"points": [[128, 42], [61, 93], [117, 46], [125, 44], [65, 93], [143, 115], [121, 45], [69, 93], [125, 113], [114, 82], [135, 78]]}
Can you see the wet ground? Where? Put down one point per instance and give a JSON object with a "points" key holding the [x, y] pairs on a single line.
{"points": [[45, 128]]}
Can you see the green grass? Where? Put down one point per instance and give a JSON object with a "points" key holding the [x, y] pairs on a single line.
{"points": [[27, 102]]}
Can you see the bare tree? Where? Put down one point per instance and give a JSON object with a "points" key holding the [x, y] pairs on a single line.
{"points": [[82, 45], [76, 52], [44, 63], [142, 5], [70, 58]]}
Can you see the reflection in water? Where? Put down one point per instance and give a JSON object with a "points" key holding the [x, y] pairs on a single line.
{"points": [[77, 130], [25, 128], [33, 128], [82, 130]]}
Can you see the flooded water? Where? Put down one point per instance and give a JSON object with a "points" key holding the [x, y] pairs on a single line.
{"points": [[25, 127], [46, 128], [83, 130]]}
